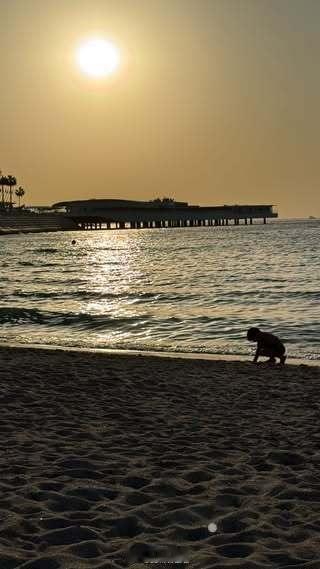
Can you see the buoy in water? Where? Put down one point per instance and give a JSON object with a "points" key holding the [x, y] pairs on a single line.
{"points": [[73, 241]]}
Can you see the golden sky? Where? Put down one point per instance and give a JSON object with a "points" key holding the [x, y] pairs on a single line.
{"points": [[215, 101]]}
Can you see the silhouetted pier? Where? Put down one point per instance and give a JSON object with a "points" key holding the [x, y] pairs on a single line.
{"points": [[125, 214]]}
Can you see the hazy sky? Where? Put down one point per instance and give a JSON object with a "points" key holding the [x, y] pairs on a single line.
{"points": [[216, 101]]}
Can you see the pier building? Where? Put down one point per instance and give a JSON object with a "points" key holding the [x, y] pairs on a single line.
{"points": [[158, 213]]}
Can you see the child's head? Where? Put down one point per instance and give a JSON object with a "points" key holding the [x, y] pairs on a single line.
{"points": [[253, 334]]}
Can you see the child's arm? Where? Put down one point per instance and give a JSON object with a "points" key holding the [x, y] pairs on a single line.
{"points": [[257, 354]]}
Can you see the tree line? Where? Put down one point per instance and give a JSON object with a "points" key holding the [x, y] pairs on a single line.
{"points": [[7, 184]]}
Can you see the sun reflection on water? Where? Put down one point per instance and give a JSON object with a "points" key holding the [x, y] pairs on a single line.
{"points": [[195, 290]]}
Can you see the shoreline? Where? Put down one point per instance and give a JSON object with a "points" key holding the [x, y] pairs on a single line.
{"points": [[164, 354]]}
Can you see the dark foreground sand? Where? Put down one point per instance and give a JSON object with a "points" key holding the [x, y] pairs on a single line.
{"points": [[112, 461]]}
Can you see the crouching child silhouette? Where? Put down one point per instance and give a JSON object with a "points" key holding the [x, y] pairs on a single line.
{"points": [[267, 345]]}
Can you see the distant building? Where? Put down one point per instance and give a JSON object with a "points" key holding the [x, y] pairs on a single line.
{"points": [[96, 206]]}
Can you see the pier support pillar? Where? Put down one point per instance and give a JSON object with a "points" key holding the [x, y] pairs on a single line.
{"points": [[250, 220], [264, 220]]}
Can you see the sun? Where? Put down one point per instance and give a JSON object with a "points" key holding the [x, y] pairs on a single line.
{"points": [[98, 57]]}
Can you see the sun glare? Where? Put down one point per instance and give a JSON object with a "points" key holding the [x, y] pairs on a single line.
{"points": [[98, 57]]}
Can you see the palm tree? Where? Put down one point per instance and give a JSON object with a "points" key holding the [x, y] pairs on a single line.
{"points": [[11, 182], [20, 193], [3, 183]]}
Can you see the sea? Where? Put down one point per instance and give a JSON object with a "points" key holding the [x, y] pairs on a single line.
{"points": [[194, 290]]}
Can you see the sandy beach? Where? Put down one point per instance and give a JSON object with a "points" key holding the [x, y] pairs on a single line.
{"points": [[111, 461]]}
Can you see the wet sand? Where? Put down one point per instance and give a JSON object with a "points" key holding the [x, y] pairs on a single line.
{"points": [[112, 461]]}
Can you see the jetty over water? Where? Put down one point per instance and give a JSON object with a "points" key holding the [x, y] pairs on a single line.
{"points": [[159, 213]]}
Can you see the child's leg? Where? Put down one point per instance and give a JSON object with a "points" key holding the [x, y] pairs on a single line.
{"points": [[266, 351]]}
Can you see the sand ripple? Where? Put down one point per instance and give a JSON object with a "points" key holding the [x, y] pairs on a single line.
{"points": [[113, 462]]}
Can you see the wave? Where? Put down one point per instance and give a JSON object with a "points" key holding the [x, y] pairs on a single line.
{"points": [[200, 334], [45, 250], [268, 294], [133, 297], [26, 263], [20, 315], [84, 321], [37, 264], [79, 320]]}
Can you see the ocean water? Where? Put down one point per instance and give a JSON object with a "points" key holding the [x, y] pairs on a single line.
{"points": [[182, 290]]}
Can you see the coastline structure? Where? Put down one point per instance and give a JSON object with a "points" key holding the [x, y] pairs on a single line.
{"points": [[158, 213], [27, 222], [127, 214]]}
